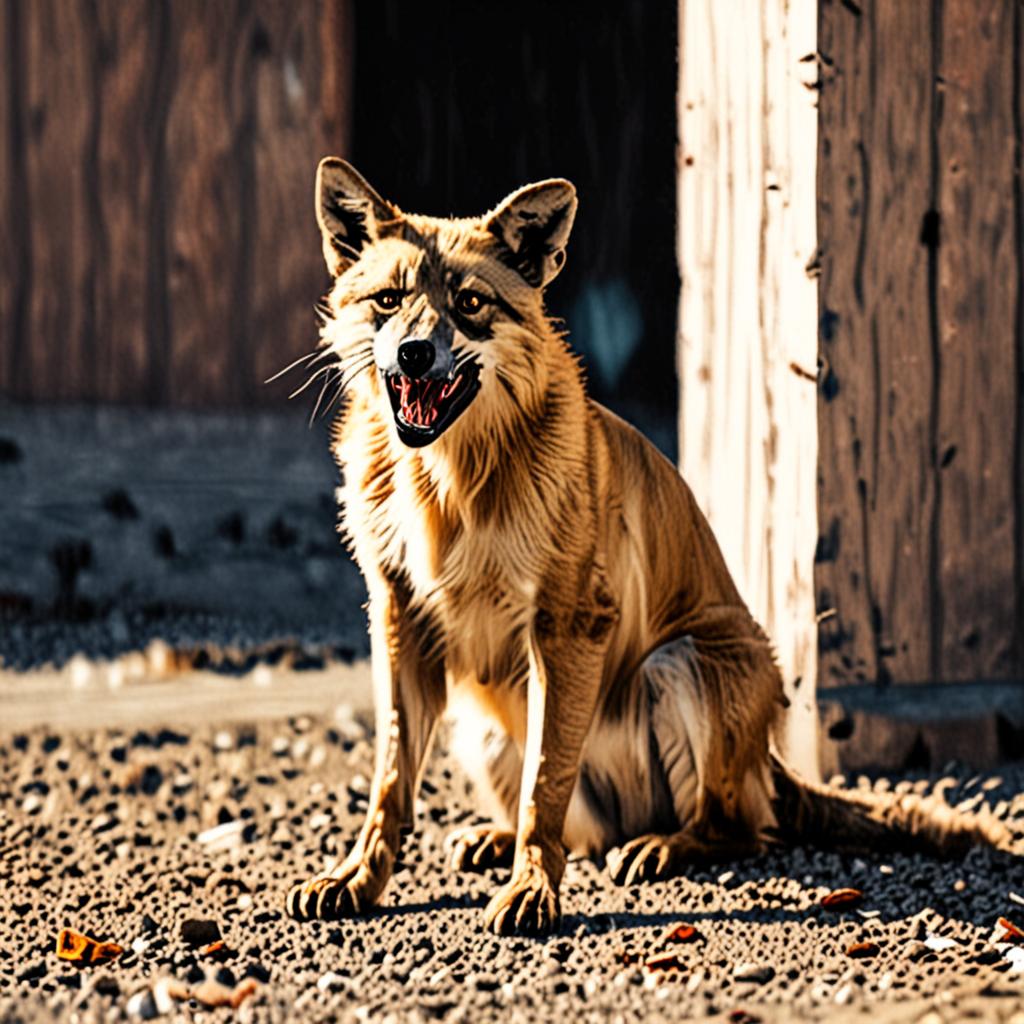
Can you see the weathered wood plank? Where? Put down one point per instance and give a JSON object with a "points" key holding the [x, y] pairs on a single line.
{"points": [[1018, 199], [747, 335], [56, 75], [125, 313], [209, 129], [157, 160], [876, 494], [302, 100], [14, 256], [264, 96], [976, 622]]}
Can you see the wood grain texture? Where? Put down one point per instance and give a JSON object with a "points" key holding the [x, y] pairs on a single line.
{"points": [[15, 254], [157, 162], [747, 320], [919, 557], [875, 411], [976, 298]]}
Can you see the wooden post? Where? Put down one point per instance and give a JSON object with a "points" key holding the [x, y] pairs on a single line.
{"points": [[748, 313]]}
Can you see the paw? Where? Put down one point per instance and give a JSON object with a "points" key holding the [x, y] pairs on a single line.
{"points": [[648, 858], [528, 905], [479, 847], [351, 889]]}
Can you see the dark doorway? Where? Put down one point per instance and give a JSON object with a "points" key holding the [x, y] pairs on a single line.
{"points": [[456, 104]]}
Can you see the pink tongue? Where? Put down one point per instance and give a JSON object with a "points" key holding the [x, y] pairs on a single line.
{"points": [[417, 399]]}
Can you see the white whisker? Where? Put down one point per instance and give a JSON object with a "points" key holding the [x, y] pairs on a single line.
{"points": [[323, 370]]}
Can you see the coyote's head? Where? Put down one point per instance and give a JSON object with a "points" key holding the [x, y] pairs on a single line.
{"points": [[428, 316]]}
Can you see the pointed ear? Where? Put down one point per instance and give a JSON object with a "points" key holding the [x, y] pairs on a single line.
{"points": [[348, 211], [533, 226]]}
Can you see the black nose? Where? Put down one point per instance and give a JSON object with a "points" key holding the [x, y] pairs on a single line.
{"points": [[415, 357]]}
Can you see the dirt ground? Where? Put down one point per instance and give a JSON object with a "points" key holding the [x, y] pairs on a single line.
{"points": [[186, 811], [148, 801]]}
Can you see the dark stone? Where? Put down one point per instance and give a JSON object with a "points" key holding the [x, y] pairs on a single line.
{"points": [[34, 971], [225, 976], [151, 779], [257, 971], [987, 957], [107, 984], [199, 931]]}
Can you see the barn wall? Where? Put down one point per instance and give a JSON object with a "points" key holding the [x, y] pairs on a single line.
{"points": [[156, 167], [920, 498], [897, 407], [919, 564], [747, 322]]}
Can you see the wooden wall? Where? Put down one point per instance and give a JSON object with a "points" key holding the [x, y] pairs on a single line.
{"points": [[157, 243], [747, 339], [920, 561]]}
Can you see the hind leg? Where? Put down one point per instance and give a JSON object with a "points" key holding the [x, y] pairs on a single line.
{"points": [[681, 733]]}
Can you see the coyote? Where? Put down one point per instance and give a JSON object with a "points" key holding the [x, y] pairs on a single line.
{"points": [[539, 571]]}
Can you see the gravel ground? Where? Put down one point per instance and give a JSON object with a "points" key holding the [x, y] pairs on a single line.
{"points": [[108, 832]]}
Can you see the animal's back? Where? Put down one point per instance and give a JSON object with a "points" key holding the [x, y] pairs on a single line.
{"points": [[663, 560]]}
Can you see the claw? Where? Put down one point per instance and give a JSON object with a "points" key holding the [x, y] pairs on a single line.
{"points": [[499, 922], [291, 902], [527, 905], [308, 903], [348, 890], [479, 848], [326, 904], [644, 859]]}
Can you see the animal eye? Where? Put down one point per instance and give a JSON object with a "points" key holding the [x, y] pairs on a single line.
{"points": [[469, 302], [388, 299]]}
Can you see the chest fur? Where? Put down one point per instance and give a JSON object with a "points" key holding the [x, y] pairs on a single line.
{"points": [[464, 574]]}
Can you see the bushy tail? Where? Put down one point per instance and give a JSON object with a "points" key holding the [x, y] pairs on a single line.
{"points": [[864, 821]]}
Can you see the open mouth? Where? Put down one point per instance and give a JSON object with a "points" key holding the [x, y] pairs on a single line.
{"points": [[424, 409]]}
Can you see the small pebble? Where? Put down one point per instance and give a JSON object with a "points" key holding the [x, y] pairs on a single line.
{"points": [[757, 973], [331, 982], [142, 1005]]}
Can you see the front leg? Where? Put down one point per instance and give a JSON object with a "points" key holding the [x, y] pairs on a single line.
{"points": [[409, 695], [567, 654]]}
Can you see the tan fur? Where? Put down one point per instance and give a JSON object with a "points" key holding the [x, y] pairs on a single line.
{"points": [[541, 571]]}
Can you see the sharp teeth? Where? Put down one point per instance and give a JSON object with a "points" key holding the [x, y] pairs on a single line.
{"points": [[450, 387]]}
